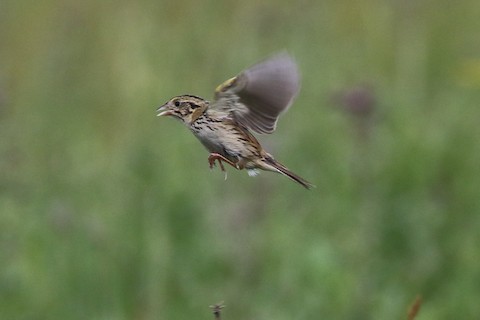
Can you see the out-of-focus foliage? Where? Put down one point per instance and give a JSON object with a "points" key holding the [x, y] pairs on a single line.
{"points": [[107, 212]]}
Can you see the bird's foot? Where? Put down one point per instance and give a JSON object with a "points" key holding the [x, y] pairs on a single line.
{"points": [[218, 157]]}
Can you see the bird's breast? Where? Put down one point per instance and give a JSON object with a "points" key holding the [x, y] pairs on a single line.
{"points": [[224, 138]]}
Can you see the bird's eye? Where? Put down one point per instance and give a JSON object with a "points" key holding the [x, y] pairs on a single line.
{"points": [[177, 103]]}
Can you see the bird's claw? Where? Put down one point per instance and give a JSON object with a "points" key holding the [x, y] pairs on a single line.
{"points": [[218, 157], [211, 162]]}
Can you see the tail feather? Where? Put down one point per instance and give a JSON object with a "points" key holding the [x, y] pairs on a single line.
{"points": [[272, 165]]}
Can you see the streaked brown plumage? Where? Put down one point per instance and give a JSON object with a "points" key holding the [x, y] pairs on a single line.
{"points": [[252, 100]]}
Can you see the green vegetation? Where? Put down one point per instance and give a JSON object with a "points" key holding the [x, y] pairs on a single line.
{"points": [[108, 212]]}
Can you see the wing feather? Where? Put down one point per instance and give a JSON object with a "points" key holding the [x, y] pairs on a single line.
{"points": [[258, 95]]}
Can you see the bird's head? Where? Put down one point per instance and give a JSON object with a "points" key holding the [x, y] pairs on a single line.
{"points": [[186, 108]]}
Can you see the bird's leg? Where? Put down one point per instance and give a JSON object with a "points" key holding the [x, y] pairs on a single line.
{"points": [[216, 156]]}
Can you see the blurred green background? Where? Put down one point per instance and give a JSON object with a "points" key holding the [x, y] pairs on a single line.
{"points": [[108, 212]]}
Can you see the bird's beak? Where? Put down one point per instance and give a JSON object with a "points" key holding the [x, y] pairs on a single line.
{"points": [[164, 111]]}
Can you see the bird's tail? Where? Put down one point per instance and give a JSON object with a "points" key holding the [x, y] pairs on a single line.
{"points": [[273, 165]]}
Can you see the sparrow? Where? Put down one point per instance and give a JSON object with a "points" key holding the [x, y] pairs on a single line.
{"points": [[251, 101]]}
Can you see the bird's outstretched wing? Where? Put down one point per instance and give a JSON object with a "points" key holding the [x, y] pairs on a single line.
{"points": [[258, 95]]}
